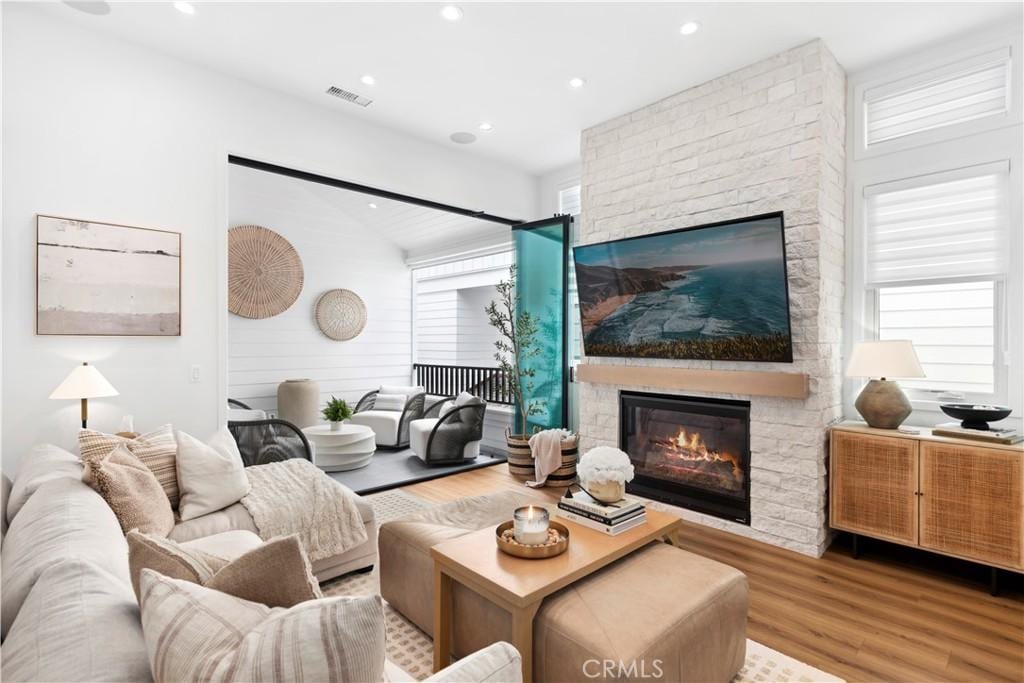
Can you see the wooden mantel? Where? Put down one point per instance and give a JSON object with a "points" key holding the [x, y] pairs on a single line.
{"points": [[749, 382]]}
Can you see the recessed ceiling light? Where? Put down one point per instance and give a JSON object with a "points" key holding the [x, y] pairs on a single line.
{"points": [[451, 12], [576, 82], [185, 7], [689, 28], [462, 137], [372, 205], [485, 126], [368, 80]]}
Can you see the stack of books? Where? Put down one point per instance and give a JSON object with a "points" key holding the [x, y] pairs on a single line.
{"points": [[1003, 435], [608, 518]]}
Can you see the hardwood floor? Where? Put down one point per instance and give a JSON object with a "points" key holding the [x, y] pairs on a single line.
{"points": [[895, 614]]}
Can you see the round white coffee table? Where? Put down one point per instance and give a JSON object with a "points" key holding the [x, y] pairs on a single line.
{"points": [[349, 448]]}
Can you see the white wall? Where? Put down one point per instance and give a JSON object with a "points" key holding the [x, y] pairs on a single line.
{"points": [[337, 251], [476, 335], [100, 129]]}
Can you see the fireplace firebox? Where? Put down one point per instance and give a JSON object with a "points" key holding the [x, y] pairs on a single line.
{"points": [[688, 451]]}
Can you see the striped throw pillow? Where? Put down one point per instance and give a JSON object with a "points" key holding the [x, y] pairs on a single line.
{"points": [[195, 633], [158, 450]]}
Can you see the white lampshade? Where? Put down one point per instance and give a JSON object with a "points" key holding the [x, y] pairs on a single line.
{"points": [[892, 358], [85, 381]]}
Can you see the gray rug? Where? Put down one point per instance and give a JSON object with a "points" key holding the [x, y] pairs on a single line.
{"points": [[391, 469]]}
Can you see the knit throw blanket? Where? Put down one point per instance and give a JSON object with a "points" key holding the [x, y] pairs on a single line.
{"points": [[295, 497]]}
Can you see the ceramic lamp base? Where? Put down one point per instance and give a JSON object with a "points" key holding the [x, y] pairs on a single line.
{"points": [[883, 404]]}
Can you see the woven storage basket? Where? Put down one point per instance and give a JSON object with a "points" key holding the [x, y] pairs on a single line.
{"points": [[520, 460]]}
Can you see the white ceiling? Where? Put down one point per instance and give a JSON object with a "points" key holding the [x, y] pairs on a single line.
{"points": [[416, 230], [509, 63]]}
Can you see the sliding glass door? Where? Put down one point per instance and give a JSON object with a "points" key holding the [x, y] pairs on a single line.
{"points": [[542, 249]]}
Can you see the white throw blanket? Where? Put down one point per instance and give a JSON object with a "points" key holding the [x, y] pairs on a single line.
{"points": [[547, 454], [295, 497]]}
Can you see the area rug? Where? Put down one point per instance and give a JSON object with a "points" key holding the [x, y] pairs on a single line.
{"points": [[391, 469], [412, 650]]}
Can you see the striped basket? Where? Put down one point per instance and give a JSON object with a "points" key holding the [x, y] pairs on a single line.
{"points": [[520, 460]]}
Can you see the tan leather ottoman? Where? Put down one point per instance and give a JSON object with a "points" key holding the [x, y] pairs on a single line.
{"points": [[660, 607]]}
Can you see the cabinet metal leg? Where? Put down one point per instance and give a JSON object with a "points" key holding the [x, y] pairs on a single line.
{"points": [[993, 581], [856, 546]]}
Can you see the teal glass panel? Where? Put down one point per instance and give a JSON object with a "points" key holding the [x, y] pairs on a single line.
{"points": [[540, 289]]}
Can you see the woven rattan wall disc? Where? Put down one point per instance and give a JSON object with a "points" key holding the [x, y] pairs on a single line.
{"points": [[340, 314], [264, 272]]}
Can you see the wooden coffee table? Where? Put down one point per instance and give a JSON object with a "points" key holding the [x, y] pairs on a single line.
{"points": [[518, 585]]}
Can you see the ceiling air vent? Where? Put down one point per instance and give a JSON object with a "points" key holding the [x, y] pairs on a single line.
{"points": [[349, 96]]}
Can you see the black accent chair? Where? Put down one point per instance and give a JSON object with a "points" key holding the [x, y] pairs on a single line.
{"points": [[267, 440], [450, 439]]}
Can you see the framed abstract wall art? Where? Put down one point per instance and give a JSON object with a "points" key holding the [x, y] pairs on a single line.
{"points": [[96, 278]]}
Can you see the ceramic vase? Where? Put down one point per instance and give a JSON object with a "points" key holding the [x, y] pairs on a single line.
{"points": [[298, 402]]}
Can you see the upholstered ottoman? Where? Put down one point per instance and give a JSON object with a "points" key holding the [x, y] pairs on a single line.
{"points": [[658, 608]]}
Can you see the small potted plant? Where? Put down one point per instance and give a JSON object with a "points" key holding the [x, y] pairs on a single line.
{"points": [[336, 412], [603, 473]]}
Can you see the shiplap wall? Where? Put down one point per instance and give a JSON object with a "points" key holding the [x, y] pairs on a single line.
{"points": [[451, 326], [336, 251]]}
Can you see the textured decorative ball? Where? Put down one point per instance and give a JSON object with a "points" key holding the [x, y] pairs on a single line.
{"points": [[264, 272], [340, 314]]}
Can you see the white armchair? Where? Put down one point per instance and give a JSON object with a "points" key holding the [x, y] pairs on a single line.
{"points": [[388, 412], [497, 663]]}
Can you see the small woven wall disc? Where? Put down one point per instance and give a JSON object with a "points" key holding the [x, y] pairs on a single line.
{"points": [[264, 272], [340, 314]]}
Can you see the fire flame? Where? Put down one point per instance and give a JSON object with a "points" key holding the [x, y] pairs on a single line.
{"points": [[691, 446]]}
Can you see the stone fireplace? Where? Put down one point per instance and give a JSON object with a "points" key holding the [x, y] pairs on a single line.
{"points": [[767, 137], [689, 451]]}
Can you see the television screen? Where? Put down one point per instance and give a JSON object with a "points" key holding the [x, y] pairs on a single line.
{"points": [[715, 292]]}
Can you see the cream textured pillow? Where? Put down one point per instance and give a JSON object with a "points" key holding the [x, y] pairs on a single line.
{"points": [[195, 633], [157, 449], [395, 402], [276, 574], [211, 476], [132, 492]]}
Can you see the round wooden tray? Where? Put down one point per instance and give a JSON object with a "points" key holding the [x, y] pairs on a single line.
{"points": [[533, 552]]}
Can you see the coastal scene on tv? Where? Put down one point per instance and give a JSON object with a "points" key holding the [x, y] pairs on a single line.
{"points": [[716, 292]]}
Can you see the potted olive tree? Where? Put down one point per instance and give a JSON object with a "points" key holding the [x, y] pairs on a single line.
{"points": [[516, 345], [336, 412]]}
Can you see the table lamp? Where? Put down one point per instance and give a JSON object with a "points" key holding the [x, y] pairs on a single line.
{"points": [[83, 383], [882, 403]]}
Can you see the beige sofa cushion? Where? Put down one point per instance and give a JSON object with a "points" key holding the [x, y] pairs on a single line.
{"points": [[275, 573], [194, 633], [45, 462], [132, 492], [226, 545], [158, 449], [79, 623], [211, 475], [65, 519], [232, 518]]}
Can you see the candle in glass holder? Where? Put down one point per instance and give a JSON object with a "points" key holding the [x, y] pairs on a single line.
{"points": [[531, 525]]}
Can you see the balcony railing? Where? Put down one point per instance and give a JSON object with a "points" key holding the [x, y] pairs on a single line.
{"points": [[490, 384]]}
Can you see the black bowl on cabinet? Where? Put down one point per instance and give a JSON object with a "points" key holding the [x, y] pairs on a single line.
{"points": [[975, 416]]}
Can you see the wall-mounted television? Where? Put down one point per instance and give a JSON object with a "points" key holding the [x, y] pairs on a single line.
{"points": [[715, 292]]}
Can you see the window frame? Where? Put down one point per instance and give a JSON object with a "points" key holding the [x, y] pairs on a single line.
{"points": [[940, 154]]}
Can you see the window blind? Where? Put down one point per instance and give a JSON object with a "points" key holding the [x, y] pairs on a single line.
{"points": [[933, 101], [941, 227], [569, 200], [953, 329]]}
